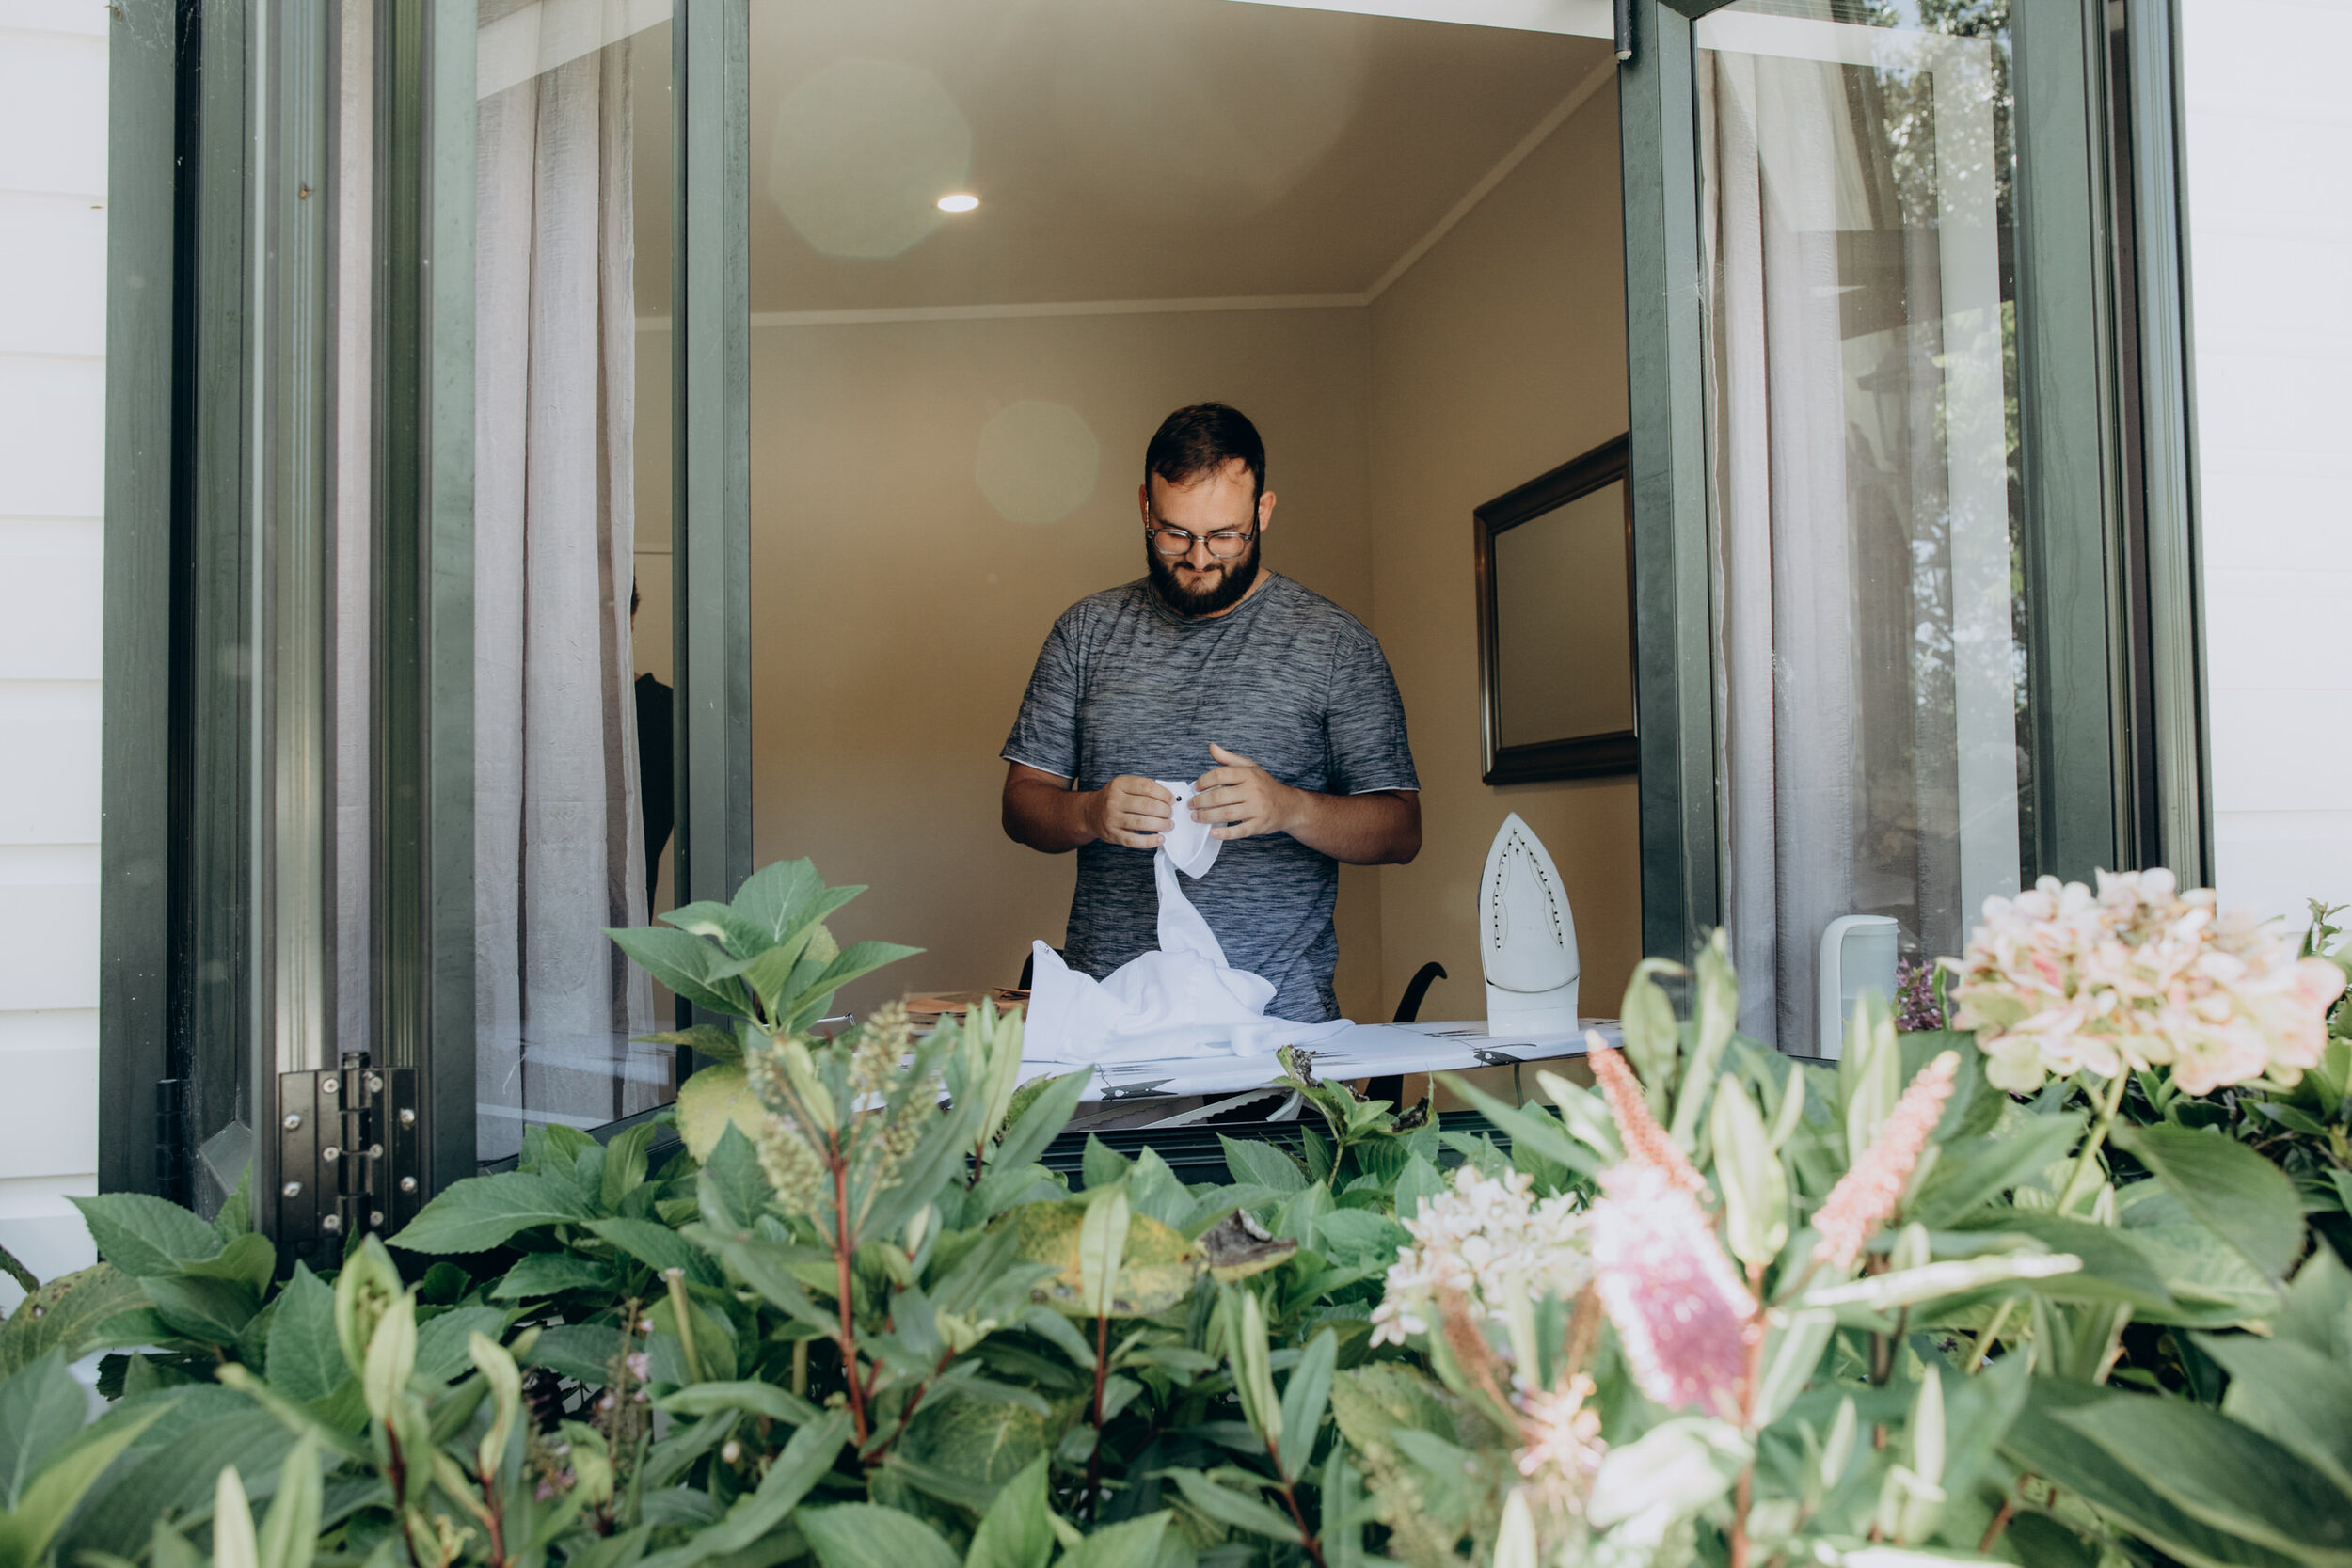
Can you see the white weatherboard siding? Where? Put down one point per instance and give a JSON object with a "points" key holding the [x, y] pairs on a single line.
{"points": [[52, 324], [2269, 152]]}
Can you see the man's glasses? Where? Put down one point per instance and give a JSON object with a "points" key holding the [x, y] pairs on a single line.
{"points": [[1225, 544]]}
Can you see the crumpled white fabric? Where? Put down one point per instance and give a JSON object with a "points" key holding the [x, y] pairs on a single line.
{"points": [[1183, 1000]]}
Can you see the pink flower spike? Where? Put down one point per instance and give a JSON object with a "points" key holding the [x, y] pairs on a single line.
{"points": [[1873, 1185], [1680, 1312], [1645, 1143]]}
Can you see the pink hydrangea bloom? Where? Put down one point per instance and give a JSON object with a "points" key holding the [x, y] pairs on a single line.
{"points": [[1679, 1310], [2060, 980], [1873, 1185]]}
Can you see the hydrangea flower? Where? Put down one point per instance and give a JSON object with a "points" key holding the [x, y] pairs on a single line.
{"points": [[2060, 980], [1479, 1239]]}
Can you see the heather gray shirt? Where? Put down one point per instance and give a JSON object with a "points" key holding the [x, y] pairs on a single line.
{"points": [[1288, 679]]}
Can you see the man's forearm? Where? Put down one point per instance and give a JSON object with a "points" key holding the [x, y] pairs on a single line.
{"points": [[1046, 816], [1359, 830]]}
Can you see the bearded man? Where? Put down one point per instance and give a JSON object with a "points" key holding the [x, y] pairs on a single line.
{"points": [[1276, 699]]}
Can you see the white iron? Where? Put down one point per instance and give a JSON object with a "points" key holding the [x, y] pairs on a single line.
{"points": [[1527, 938]]}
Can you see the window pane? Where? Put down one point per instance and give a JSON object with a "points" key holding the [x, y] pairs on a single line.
{"points": [[573, 180], [1392, 244], [1856, 216]]}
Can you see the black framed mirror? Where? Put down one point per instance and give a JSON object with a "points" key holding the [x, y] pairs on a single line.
{"points": [[1555, 622]]}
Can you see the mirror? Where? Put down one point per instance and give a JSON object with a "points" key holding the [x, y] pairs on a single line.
{"points": [[1555, 622]]}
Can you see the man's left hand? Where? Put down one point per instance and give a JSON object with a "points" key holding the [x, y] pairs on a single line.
{"points": [[1241, 799]]}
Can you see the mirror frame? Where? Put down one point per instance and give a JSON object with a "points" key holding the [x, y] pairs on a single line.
{"points": [[1582, 756]]}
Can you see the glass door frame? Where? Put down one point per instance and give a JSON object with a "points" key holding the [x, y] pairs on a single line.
{"points": [[2108, 747]]}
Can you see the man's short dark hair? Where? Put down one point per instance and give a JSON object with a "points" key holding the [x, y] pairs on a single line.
{"points": [[1197, 441]]}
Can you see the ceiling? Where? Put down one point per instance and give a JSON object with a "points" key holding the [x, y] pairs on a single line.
{"points": [[1123, 149]]}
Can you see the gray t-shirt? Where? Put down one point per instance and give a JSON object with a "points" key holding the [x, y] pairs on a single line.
{"points": [[1288, 679]]}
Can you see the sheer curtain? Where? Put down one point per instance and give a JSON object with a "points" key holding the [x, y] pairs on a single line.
{"points": [[558, 848], [1840, 386]]}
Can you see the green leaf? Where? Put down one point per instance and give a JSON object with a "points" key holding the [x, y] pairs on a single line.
{"points": [[1303, 1400], [2318, 1311], [306, 1359], [1135, 1544], [144, 1236], [624, 1163], [657, 1247], [732, 1189], [987, 1445], [2289, 1393], [1049, 1111], [289, 1534], [540, 1274], [1013, 1533], [2041, 1442], [1972, 1172], [441, 1339], [210, 1311], [48, 1497], [857, 960], [484, 1211], [75, 1313], [711, 1041], [714, 1100], [2113, 1269], [581, 1352], [1418, 1180], [753, 1518], [756, 1399], [2223, 1473], [685, 963], [1101, 1165], [867, 1535], [1529, 1125], [1258, 1162], [1231, 1508], [2246, 1200], [1102, 1249], [772, 899], [42, 1408], [170, 1471]]}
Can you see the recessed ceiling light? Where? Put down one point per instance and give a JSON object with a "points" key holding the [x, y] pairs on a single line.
{"points": [[960, 201]]}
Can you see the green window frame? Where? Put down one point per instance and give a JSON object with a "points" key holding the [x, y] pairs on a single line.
{"points": [[2115, 684], [216, 480]]}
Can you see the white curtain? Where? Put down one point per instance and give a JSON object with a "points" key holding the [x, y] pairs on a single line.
{"points": [[559, 847], [1834, 700]]}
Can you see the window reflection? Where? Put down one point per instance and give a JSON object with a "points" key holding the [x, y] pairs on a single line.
{"points": [[572, 169], [1858, 229]]}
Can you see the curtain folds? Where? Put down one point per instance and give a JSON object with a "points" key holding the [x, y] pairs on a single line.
{"points": [[1835, 697], [559, 844]]}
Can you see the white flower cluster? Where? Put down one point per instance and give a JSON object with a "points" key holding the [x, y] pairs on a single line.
{"points": [[1480, 1240], [2061, 980]]}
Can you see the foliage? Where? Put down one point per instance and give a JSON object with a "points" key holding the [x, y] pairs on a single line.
{"points": [[1717, 1307]]}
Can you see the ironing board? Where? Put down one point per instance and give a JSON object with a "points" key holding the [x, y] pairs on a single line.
{"points": [[1360, 1051]]}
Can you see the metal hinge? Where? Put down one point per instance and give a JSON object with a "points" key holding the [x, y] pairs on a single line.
{"points": [[346, 1152]]}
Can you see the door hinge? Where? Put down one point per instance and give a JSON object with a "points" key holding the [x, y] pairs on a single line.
{"points": [[347, 1142]]}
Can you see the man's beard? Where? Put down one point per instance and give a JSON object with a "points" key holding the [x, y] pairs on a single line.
{"points": [[1240, 573]]}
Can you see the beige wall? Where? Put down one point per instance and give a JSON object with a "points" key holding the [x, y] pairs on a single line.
{"points": [[898, 613], [1500, 355]]}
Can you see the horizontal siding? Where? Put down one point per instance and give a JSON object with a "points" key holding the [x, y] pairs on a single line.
{"points": [[52, 322], [2268, 134]]}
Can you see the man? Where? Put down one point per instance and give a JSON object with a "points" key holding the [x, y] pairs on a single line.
{"points": [[1209, 662]]}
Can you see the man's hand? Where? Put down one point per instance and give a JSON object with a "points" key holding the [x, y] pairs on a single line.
{"points": [[1241, 800], [1131, 811]]}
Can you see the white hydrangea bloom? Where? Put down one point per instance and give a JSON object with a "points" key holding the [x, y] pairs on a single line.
{"points": [[1480, 1239]]}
